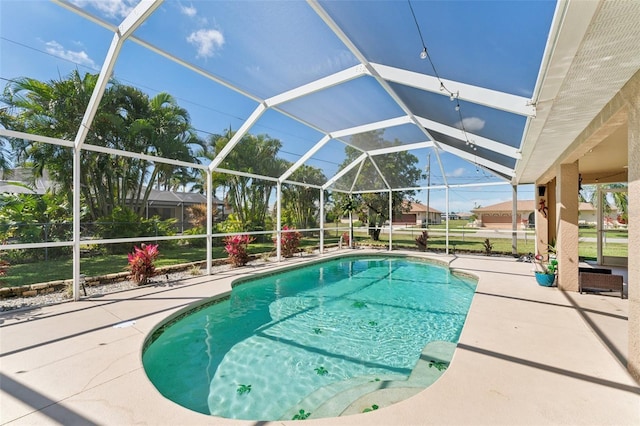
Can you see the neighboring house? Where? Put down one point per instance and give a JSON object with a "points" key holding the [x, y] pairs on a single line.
{"points": [[165, 204], [417, 215], [498, 216], [21, 181], [173, 205], [587, 215]]}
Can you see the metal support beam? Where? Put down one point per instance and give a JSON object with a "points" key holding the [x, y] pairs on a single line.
{"points": [[466, 92], [474, 159], [355, 179], [35, 138], [321, 221], [322, 142], [279, 222], [130, 24], [482, 142], [255, 115], [446, 243], [390, 220], [600, 234], [401, 148], [514, 222], [317, 85], [380, 173], [137, 16], [209, 187], [76, 223], [383, 124], [384, 84], [344, 171]]}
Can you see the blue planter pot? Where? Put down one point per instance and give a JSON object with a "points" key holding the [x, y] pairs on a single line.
{"points": [[545, 280]]}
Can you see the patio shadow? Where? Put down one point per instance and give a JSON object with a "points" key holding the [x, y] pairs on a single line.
{"points": [[48, 407]]}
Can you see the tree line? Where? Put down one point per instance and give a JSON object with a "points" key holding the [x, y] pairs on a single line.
{"points": [[128, 119]]}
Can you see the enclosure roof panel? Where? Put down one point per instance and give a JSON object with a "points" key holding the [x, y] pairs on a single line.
{"points": [[456, 77]]}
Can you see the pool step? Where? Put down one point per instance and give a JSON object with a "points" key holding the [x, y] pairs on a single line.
{"points": [[423, 375], [352, 396]]}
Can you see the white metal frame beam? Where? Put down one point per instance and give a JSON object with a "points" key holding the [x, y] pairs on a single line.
{"points": [[458, 185], [137, 16], [355, 179], [344, 171], [317, 85], [255, 115], [466, 92], [382, 124], [380, 173], [401, 148], [392, 122], [480, 141], [36, 138], [322, 142], [474, 159], [337, 30], [209, 76]]}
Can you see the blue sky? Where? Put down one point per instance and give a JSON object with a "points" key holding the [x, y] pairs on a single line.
{"points": [[267, 47]]}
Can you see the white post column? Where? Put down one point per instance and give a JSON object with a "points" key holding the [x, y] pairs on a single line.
{"points": [[321, 221], [279, 222], [390, 220], [446, 195], [514, 221], [209, 187], [599, 223], [76, 223]]}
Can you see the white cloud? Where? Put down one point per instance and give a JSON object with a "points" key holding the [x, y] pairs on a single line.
{"points": [[77, 57], [471, 124], [190, 11], [110, 8], [206, 42], [457, 172]]}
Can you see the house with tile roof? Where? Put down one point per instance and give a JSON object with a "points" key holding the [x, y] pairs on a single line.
{"points": [[417, 215], [498, 216]]}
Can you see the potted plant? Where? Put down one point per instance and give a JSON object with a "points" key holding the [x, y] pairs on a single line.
{"points": [[545, 270]]}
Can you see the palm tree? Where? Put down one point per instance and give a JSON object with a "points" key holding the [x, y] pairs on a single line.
{"points": [[300, 202], [248, 197], [126, 119]]}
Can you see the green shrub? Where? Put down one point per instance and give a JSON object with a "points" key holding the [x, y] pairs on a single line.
{"points": [[230, 224], [196, 242], [125, 223]]}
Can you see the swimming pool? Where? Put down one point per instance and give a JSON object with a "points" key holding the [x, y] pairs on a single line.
{"points": [[319, 341]]}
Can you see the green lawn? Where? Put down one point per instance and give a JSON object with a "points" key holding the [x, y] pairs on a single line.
{"points": [[56, 269], [615, 233], [60, 269], [457, 243]]}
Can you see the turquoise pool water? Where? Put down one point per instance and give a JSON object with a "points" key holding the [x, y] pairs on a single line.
{"points": [[291, 341]]}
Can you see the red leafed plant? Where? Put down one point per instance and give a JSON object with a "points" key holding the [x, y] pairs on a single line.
{"points": [[290, 241], [236, 248], [141, 262], [345, 239]]}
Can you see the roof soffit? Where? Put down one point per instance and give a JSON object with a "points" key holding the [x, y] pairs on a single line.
{"points": [[593, 55]]}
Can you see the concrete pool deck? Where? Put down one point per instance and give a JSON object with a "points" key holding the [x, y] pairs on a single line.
{"points": [[527, 355]]}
